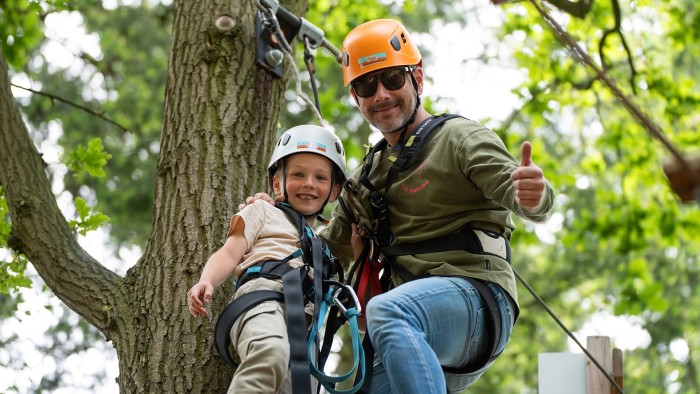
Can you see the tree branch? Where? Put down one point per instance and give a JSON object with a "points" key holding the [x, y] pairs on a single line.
{"points": [[82, 107], [578, 9], [39, 229], [617, 29]]}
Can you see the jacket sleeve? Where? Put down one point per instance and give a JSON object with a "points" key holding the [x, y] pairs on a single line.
{"points": [[487, 163], [337, 235]]}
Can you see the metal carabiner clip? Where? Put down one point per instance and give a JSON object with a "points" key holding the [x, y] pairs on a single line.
{"points": [[353, 298]]}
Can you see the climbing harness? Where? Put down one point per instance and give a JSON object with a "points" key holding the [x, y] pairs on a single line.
{"points": [[328, 297], [370, 274]]}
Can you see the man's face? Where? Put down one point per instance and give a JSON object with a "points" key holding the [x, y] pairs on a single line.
{"points": [[389, 98]]}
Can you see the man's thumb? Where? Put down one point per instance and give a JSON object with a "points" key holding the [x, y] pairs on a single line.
{"points": [[526, 154]]}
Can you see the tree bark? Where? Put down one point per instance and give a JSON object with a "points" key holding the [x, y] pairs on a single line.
{"points": [[220, 117]]}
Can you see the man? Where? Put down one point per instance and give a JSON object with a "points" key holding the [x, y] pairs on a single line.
{"points": [[451, 304]]}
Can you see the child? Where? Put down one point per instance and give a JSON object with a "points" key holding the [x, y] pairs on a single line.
{"points": [[307, 168]]}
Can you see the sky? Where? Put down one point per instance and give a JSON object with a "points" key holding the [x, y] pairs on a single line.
{"points": [[477, 91]]}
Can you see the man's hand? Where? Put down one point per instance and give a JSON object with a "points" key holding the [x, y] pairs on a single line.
{"points": [[260, 196], [528, 180]]}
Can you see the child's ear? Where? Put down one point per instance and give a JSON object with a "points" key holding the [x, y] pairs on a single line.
{"points": [[277, 185], [335, 192]]}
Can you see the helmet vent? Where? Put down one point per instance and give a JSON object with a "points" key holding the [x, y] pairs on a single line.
{"points": [[346, 59], [338, 148], [285, 139], [395, 43]]}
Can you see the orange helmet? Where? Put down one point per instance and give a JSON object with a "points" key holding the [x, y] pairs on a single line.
{"points": [[377, 44]]}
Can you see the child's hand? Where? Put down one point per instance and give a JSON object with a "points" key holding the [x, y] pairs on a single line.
{"points": [[357, 240], [199, 295]]}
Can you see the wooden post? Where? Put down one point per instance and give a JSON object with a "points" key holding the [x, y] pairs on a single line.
{"points": [[596, 381], [617, 371]]}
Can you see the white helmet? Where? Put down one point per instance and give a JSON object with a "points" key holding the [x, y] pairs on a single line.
{"points": [[309, 139]]}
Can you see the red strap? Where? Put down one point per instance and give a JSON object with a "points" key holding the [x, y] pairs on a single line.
{"points": [[369, 280]]}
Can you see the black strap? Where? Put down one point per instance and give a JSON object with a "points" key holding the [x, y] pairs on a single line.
{"points": [[317, 257], [270, 269], [222, 337], [369, 365], [462, 240], [296, 331], [494, 324]]}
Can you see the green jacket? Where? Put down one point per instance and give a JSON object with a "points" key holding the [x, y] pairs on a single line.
{"points": [[461, 175]]}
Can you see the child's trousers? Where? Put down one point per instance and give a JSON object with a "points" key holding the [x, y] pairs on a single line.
{"points": [[259, 337]]}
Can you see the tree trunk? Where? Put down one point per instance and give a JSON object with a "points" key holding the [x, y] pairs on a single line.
{"points": [[220, 117]]}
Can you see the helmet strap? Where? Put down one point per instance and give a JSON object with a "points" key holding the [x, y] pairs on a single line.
{"points": [[404, 127], [284, 180]]}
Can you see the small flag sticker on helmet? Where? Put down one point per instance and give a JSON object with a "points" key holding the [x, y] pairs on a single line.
{"points": [[302, 144], [319, 147], [371, 59]]}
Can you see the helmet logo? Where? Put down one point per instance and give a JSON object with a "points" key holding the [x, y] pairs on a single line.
{"points": [[371, 59], [311, 145]]}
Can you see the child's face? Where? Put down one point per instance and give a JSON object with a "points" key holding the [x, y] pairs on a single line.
{"points": [[308, 182]]}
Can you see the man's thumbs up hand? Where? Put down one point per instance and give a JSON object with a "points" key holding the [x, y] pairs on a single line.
{"points": [[528, 180]]}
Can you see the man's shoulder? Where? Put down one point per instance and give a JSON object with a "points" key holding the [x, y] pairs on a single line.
{"points": [[463, 123], [460, 128]]}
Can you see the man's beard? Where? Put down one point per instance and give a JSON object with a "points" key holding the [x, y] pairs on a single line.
{"points": [[397, 123]]}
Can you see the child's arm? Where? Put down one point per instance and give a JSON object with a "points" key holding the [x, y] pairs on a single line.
{"points": [[218, 267]]}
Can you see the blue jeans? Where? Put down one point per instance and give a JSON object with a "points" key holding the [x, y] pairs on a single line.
{"points": [[424, 324]]}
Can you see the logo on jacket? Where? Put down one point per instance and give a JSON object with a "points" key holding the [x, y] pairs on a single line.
{"points": [[415, 183]]}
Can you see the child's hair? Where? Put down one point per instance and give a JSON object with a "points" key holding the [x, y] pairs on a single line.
{"points": [[309, 139]]}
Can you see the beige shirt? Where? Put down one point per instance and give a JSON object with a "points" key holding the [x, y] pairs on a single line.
{"points": [[270, 233]]}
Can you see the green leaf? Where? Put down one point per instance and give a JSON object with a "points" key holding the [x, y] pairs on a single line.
{"points": [[91, 158], [87, 221], [12, 274]]}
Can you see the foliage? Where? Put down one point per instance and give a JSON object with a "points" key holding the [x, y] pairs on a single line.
{"points": [[11, 272]]}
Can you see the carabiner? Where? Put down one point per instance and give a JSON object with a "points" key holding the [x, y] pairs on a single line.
{"points": [[353, 298]]}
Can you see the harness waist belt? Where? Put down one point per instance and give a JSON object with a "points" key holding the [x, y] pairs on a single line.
{"points": [[477, 241]]}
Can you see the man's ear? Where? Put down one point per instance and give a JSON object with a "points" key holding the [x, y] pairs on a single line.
{"points": [[418, 75], [335, 192], [352, 92]]}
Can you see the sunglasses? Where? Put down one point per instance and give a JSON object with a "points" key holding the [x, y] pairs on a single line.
{"points": [[366, 85]]}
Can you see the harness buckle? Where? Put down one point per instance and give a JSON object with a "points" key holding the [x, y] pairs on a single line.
{"points": [[492, 243], [350, 296]]}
